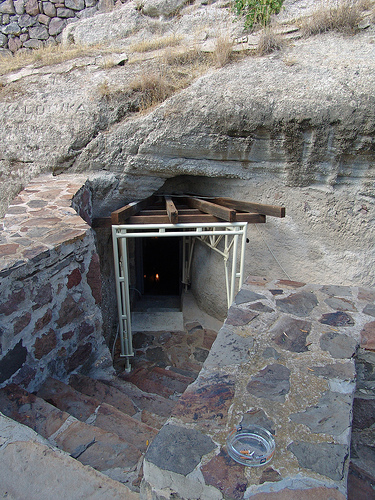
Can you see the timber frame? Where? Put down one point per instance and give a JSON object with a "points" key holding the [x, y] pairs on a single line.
{"points": [[210, 220]]}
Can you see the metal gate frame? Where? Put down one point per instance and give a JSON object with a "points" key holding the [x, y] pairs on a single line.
{"points": [[234, 237]]}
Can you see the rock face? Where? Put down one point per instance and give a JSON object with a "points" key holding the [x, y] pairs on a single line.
{"points": [[294, 128]]}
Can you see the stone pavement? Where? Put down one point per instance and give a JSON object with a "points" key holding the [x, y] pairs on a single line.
{"points": [[283, 360]]}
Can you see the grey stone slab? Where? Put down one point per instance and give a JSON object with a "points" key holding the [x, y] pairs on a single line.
{"points": [[271, 383], [257, 416], [369, 309], [229, 349], [290, 333], [270, 352], [178, 449], [338, 318], [335, 290], [244, 296], [343, 371], [259, 306], [340, 304], [238, 316], [299, 304], [331, 415], [327, 459], [340, 346]]}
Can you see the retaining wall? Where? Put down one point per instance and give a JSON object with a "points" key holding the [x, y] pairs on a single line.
{"points": [[50, 285]]}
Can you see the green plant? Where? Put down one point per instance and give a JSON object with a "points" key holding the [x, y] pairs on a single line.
{"points": [[257, 12]]}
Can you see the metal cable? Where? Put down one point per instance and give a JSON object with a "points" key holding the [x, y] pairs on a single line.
{"points": [[271, 252]]}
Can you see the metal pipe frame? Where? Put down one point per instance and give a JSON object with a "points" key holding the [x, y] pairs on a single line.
{"points": [[206, 233]]}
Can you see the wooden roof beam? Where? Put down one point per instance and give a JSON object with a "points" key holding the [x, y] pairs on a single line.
{"points": [[222, 212], [171, 210], [245, 206], [119, 216]]}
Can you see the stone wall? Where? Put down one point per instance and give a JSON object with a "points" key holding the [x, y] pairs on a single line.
{"points": [[284, 360], [50, 285], [31, 24]]}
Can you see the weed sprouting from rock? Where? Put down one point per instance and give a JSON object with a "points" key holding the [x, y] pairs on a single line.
{"points": [[257, 12]]}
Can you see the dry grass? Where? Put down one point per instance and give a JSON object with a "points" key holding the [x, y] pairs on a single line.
{"points": [[343, 16], [223, 51], [48, 56], [155, 44], [269, 42], [154, 88]]}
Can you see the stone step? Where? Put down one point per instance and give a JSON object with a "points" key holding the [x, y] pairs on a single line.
{"points": [[157, 321], [103, 393], [48, 472], [90, 410], [156, 380], [91, 445], [152, 409]]}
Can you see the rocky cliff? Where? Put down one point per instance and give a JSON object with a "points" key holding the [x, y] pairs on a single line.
{"points": [[295, 127]]}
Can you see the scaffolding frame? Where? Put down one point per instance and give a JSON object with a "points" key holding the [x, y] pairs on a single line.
{"points": [[233, 235]]}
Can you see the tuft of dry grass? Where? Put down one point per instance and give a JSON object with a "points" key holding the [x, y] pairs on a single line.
{"points": [[155, 43], [223, 51], [154, 88], [343, 16], [269, 42]]}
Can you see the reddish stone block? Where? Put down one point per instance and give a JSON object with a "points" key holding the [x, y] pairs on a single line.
{"points": [[13, 303], [74, 278], [78, 357], [85, 329], [368, 336], [43, 296], [67, 335], [43, 321], [366, 294], [225, 474], [210, 401], [8, 249], [291, 284], [209, 338], [94, 278], [69, 312], [21, 323], [239, 317], [45, 344]]}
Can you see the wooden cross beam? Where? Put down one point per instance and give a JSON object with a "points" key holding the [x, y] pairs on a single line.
{"points": [[119, 216], [171, 210], [245, 206], [222, 212]]}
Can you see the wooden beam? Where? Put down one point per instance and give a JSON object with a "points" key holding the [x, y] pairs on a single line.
{"points": [[119, 216], [193, 218], [171, 210], [221, 212], [245, 206]]}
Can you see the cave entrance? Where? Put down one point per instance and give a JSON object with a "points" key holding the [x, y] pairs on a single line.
{"points": [[158, 264], [219, 223]]}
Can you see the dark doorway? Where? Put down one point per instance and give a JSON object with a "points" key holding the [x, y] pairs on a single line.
{"points": [[159, 269]]}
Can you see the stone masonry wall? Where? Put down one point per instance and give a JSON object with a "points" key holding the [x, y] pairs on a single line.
{"points": [[31, 24], [50, 286]]}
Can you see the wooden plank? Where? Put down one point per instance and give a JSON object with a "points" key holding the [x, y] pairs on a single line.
{"points": [[171, 210], [101, 222], [221, 212], [181, 211], [123, 213], [193, 218], [245, 206]]}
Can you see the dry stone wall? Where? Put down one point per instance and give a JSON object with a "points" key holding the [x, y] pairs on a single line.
{"points": [[31, 24], [50, 286]]}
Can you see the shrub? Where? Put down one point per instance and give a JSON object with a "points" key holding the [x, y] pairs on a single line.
{"points": [[269, 42], [153, 87], [257, 12], [223, 50], [343, 16]]}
